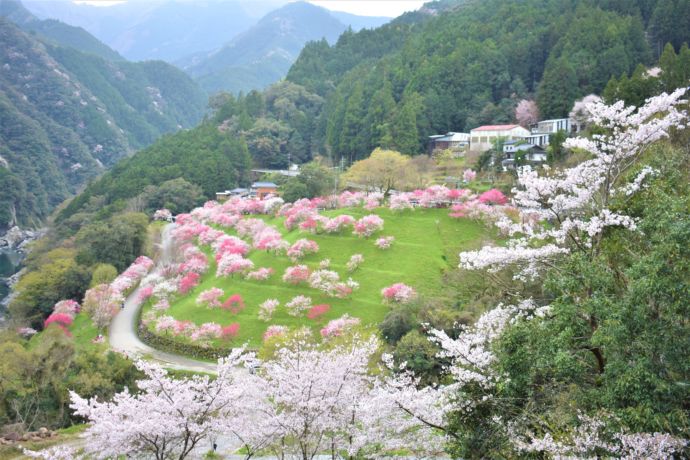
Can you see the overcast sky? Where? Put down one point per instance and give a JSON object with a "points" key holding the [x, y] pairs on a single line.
{"points": [[390, 8]]}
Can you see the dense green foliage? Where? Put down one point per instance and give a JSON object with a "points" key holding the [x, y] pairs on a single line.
{"points": [[205, 156], [65, 115], [673, 72], [36, 376]]}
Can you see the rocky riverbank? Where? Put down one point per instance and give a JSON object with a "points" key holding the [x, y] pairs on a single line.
{"points": [[16, 238]]}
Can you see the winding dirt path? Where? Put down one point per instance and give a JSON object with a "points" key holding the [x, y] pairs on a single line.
{"points": [[123, 334]]}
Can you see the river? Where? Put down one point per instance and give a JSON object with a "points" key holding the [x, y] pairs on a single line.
{"points": [[10, 262]]}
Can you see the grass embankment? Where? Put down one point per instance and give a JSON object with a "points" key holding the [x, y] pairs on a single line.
{"points": [[427, 243]]}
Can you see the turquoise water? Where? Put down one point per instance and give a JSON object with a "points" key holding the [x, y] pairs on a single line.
{"points": [[9, 265]]}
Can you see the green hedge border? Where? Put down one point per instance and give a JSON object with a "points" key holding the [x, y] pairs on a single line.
{"points": [[188, 350]]}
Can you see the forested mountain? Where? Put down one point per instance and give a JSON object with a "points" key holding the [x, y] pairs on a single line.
{"points": [[66, 115], [263, 54], [470, 63]]}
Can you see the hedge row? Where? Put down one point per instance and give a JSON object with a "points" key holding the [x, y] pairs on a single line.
{"points": [[179, 348]]}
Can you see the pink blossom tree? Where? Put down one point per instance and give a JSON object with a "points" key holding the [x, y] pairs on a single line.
{"points": [[210, 298], [267, 308], [296, 274], [398, 293], [102, 303], [368, 225], [526, 113]]}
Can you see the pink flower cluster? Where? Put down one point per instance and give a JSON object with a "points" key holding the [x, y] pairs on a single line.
{"points": [[298, 212], [162, 214], [385, 242], [373, 201], [298, 304], [61, 320], [229, 264], [296, 274], [398, 293], [336, 327], [230, 331], [206, 331], [493, 196], [267, 308], [318, 311], [229, 245], [275, 331], [188, 282], [234, 303], [301, 248], [338, 223], [368, 225], [262, 274], [145, 293], [210, 297], [469, 175], [329, 282], [68, 307], [355, 261], [194, 260], [132, 275]]}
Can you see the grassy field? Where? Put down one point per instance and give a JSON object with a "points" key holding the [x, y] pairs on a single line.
{"points": [[427, 242]]}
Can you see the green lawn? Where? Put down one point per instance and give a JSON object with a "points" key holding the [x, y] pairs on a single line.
{"points": [[427, 242]]}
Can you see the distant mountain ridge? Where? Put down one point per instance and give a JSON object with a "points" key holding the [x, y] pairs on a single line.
{"points": [[263, 54], [57, 31], [65, 115]]}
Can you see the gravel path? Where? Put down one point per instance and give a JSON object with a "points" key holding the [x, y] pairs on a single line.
{"points": [[123, 335]]}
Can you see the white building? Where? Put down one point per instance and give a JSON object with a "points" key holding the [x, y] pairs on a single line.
{"points": [[451, 140], [485, 137], [530, 153]]}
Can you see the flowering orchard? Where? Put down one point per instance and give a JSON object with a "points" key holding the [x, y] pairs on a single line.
{"points": [[287, 262]]}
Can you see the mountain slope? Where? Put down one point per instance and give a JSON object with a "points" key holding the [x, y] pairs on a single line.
{"points": [[264, 53], [155, 29], [66, 115], [57, 31]]}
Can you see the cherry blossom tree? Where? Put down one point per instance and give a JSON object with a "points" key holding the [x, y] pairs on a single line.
{"points": [[275, 331], [296, 274], [526, 113], [385, 242], [229, 264], [368, 225], [355, 261], [316, 396], [102, 303], [210, 297], [398, 293], [301, 248], [168, 417], [565, 211], [298, 304], [266, 309]]}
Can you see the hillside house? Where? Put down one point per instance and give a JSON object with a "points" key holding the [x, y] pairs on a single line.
{"points": [[529, 153], [263, 189], [485, 137], [542, 131], [456, 142]]}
